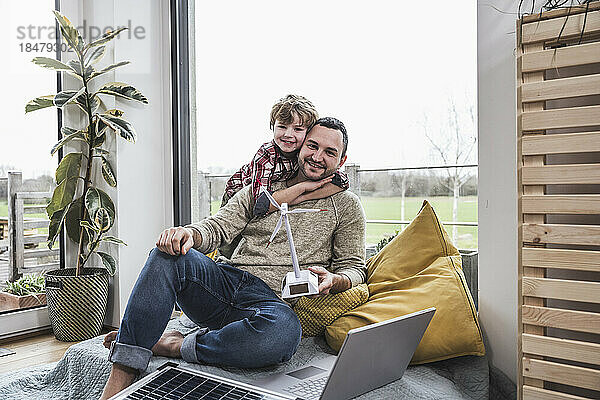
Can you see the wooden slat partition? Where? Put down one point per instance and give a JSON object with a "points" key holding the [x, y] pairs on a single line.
{"points": [[576, 115]]}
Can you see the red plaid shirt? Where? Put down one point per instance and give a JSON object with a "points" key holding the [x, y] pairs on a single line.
{"points": [[269, 165]]}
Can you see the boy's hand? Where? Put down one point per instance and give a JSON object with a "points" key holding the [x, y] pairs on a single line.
{"points": [[175, 241], [311, 186]]}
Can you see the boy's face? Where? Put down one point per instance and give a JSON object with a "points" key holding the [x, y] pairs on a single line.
{"points": [[289, 137], [321, 154]]}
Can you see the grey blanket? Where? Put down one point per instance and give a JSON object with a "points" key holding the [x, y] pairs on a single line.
{"points": [[83, 371]]}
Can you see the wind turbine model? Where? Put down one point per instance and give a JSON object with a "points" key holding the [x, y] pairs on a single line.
{"points": [[297, 283]]}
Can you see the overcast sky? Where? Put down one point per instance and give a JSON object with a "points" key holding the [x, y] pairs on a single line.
{"points": [[379, 66]]}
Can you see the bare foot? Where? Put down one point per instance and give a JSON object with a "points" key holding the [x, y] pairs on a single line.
{"points": [[120, 378], [109, 338], [169, 345]]}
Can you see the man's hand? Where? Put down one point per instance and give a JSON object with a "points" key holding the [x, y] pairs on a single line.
{"points": [[175, 241], [330, 283]]}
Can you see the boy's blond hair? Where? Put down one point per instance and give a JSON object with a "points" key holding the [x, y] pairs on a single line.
{"points": [[292, 104]]}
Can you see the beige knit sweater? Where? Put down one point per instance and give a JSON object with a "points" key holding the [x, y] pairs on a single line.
{"points": [[334, 239]]}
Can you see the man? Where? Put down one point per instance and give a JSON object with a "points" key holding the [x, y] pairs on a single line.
{"points": [[248, 325]]}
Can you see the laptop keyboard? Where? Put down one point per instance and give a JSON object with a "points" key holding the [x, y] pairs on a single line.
{"points": [[309, 389], [178, 385]]}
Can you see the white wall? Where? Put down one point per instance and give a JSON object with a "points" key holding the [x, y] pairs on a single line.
{"points": [[497, 182], [143, 197]]}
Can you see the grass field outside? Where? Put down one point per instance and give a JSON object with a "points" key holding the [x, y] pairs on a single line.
{"points": [[388, 208]]}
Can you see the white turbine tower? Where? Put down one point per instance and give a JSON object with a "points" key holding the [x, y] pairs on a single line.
{"points": [[297, 283]]}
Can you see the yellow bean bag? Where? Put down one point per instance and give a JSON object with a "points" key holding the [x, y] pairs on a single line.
{"points": [[418, 269]]}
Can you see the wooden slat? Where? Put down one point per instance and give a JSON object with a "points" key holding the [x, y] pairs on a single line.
{"points": [[560, 373], [582, 260], [561, 143], [586, 85], [580, 321], [34, 195], [534, 393], [549, 30], [562, 204], [588, 53], [40, 253], [565, 349], [561, 289], [561, 234], [561, 174], [573, 117], [36, 223], [33, 239], [573, 9], [40, 267], [34, 209]]}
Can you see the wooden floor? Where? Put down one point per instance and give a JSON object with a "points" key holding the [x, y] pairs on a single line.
{"points": [[35, 350]]}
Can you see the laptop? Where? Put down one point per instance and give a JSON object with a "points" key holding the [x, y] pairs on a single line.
{"points": [[371, 356]]}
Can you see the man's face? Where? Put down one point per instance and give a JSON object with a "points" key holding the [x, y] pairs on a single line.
{"points": [[289, 137], [321, 153]]}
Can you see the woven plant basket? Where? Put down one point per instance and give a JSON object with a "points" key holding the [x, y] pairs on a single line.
{"points": [[76, 304]]}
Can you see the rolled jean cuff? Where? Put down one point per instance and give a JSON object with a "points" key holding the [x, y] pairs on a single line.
{"points": [[131, 356], [188, 347]]}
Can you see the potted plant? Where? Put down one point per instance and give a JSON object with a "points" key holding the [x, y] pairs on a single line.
{"points": [[27, 291], [77, 296]]}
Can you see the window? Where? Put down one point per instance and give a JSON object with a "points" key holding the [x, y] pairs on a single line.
{"points": [[27, 139], [401, 76]]}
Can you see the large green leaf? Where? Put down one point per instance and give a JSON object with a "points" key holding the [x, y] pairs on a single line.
{"points": [[120, 126], [95, 56], [68, 135], [101, 151], [109, 262], [82, 73], [106, 37], [102, 220], [123, 90], [94, 103], [99, 139], [69, 167], [108, 68], [107, 173], [62, 196], [72, 222], [69, 32], [112, 239], [96, 199], [67, 96], [56, 221], [51, 63], [39, 102]]}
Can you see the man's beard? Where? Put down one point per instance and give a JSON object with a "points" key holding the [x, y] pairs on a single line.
{"points": [[304, 165]]}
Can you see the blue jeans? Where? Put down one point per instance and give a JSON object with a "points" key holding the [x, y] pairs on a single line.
{"points": [[248, 325]]}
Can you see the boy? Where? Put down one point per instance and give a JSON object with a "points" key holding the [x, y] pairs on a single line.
{"points": [[277, 160], [291, 117]]}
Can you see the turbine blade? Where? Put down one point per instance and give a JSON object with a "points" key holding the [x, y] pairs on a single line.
{"points": [[271, 199], [302, 210], [277, 227]]}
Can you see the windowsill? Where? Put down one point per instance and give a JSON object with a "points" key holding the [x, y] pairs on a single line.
{"points": [[25, 321]]}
